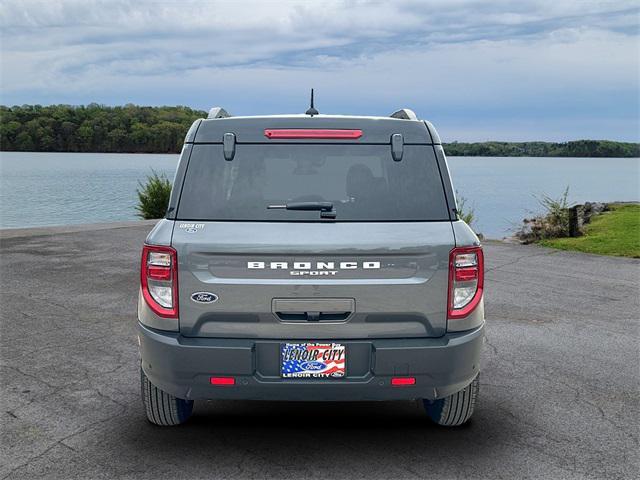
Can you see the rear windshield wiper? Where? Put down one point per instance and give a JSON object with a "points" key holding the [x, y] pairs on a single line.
{"points": [[325, 208]]}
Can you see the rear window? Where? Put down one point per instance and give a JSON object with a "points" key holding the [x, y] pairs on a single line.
{"points": [[362, 181]]}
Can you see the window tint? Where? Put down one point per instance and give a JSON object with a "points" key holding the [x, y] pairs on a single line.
{"points": [[362, 181]]}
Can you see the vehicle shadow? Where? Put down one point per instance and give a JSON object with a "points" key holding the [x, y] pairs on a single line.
{"points": [[374, 434], [260, 439]]}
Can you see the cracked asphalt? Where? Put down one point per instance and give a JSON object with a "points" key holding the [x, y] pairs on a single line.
{"points": [[559, 388]]}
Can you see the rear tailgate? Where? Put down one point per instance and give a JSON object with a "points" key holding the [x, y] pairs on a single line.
{"points": [[313, 280], [377, 269]]}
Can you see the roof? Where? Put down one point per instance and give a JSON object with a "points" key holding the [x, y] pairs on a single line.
{"points": [[251, 129]]}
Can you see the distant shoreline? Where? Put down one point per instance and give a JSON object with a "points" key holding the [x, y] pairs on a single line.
{"points": [[573, 149], [448, 154], [135, 129]]}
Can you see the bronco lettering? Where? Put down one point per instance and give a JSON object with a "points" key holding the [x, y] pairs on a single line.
{"points": [[308, 265]]}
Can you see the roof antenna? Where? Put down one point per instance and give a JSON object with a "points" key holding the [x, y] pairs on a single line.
{"points": [[312, 111]]}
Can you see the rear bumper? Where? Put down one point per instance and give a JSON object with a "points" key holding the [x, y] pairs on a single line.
{"points": [[183, 366]]}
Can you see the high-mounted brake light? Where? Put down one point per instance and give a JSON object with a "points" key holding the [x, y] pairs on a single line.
{"points": [[159, 280], [310, 133], [466, 281]]}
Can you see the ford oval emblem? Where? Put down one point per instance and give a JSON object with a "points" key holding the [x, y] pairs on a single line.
{"points": [[204, 297], [313, 366]]}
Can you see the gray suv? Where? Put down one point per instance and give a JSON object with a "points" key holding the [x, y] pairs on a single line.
{"points": [[311, 257]]}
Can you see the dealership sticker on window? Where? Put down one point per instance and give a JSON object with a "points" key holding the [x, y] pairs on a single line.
{"points": [[191, 227]]}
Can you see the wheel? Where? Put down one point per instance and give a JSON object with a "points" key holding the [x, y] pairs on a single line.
{"points": [[455, 409], [161, 407]]}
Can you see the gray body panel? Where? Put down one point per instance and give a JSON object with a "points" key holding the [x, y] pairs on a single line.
{"points": [[379, 288], [405, 297], [182, 367], [251, 129]]}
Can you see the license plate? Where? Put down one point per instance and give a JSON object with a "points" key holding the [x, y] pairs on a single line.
{"points": [[312, 360]]}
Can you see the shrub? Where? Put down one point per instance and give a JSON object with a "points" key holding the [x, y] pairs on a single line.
{"points": [[557, 213], [465, 214], [153, 196], [553, 223]]}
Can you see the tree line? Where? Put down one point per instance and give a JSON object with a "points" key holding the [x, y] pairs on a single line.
{"points": [[95, 128], [136, 129], [577, 148]]}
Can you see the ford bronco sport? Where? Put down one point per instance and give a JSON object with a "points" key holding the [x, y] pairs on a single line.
{"points": [[311, 257]]}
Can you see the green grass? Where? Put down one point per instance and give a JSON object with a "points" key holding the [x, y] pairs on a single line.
{"points": [[616, 232]]}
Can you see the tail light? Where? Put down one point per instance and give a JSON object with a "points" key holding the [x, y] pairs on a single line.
{"points": [[466, 281], [159, 280]]}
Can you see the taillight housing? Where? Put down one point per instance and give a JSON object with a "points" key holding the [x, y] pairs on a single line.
{"points": [[159, 280], [466, 281]]}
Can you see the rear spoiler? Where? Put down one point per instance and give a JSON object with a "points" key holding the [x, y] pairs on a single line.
{"points": [[402, 114], [268, 129]]}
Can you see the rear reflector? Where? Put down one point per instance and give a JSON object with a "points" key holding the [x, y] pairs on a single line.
{"points": [[312, 133], [403, 381], [225, 381]]}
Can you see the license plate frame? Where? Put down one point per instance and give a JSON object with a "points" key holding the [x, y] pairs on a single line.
{"points": [[313, 360]]}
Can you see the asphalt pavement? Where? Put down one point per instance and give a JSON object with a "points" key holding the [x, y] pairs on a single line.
{"points": [[559, 395]]}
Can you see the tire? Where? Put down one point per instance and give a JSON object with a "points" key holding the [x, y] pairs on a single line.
{"points": [[456, 409], [161, 407]]}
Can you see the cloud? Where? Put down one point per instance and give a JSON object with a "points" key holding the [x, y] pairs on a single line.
{"points": [[462, 63]]}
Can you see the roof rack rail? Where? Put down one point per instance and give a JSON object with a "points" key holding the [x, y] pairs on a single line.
{"points": [[404, 114], [218, 112]]}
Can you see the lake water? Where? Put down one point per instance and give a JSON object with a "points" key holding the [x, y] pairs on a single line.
{"points": [[38, 189]]}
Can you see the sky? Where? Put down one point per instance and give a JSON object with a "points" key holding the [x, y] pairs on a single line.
{"points": [[479, 70]]}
